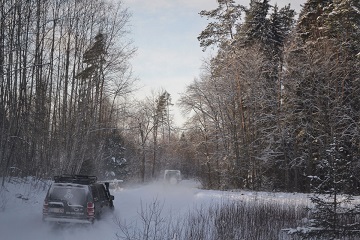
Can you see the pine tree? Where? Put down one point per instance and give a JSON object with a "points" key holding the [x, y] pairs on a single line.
{"points": [[281, 23], [334, 214], [227, 18], [322, 73], [268, 30], [342, 22], [115, 163], [309, 25], [267, 26], [332, 19], [256, 28], [159, 118]]}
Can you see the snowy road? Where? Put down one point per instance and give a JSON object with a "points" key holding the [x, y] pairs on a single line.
{"points": [[21, 219]]}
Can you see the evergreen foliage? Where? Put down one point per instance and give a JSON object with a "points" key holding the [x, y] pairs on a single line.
{"points": [[256, 26], [115, 163], [310, 24], [335, 213], [227, 18]]}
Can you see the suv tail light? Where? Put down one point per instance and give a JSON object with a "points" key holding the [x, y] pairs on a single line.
{"points": [[90, 209], [45, 207]]}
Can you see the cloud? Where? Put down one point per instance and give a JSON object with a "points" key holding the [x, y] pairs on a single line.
{"points": [[159, 63], [198, 4], [158, 5]]}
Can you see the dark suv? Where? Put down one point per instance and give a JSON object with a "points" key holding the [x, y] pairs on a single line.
{"points": [[77, 199]]}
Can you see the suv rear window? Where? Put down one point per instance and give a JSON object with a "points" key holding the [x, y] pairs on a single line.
{"points": [[72, 195]]}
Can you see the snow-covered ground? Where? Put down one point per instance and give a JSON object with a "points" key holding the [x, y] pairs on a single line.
{"points": [[21, 208]]}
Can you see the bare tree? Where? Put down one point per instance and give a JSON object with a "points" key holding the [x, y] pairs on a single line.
{"points": [[46, 112]]}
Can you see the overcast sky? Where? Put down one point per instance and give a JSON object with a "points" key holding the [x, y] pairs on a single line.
{"points": [[165, 32]]}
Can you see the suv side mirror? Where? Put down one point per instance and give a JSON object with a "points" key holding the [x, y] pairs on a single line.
{"points": [[112, 197]]}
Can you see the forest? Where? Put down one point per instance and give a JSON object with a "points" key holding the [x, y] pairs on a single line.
{"points": [[266, 113]]}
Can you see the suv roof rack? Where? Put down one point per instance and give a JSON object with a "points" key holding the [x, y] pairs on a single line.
{"points": [[79, 179]]}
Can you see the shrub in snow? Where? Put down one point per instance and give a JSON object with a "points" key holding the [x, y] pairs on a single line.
{"points": [[253, 219]]}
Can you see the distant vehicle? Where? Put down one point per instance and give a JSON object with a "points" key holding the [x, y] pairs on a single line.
{"points": [[77, 199], [172, 176]]}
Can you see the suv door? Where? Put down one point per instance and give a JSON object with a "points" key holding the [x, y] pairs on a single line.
{"points": [[96, 199], [103, 196], [101, 199]]}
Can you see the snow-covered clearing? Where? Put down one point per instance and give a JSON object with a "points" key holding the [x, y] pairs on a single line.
{"points": [[21, 208]]}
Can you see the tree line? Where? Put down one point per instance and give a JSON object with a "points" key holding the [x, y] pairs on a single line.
{"points": [[64, 70], [267, 107], [66, 94]]}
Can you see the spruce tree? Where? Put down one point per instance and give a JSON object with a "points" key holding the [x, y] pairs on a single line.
{"points": [[334, 213], [281, 23], [114, 161], [256, 27]]}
